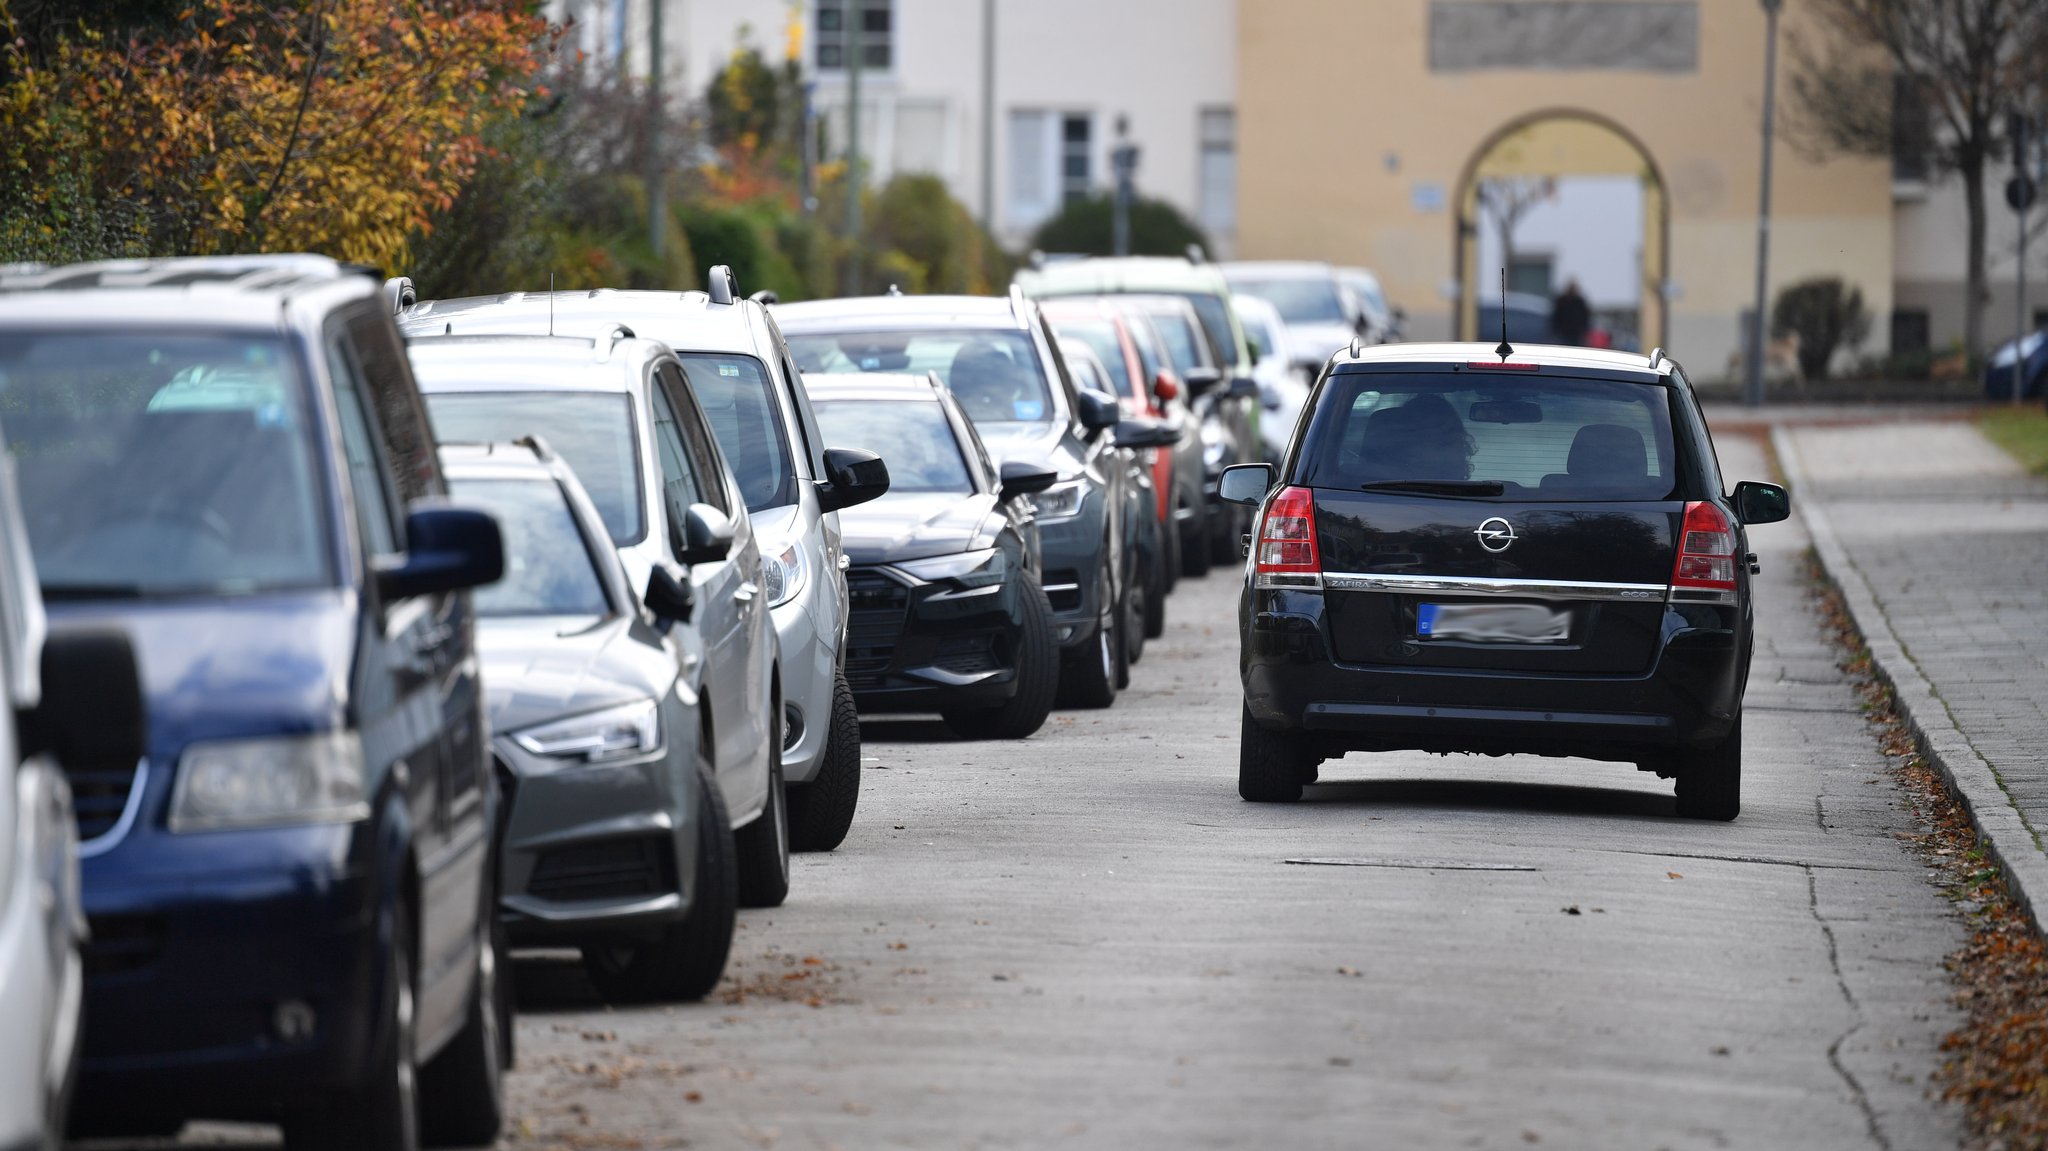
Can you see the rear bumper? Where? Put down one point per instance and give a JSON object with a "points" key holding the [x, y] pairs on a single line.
{"points": [[1688, 698]]}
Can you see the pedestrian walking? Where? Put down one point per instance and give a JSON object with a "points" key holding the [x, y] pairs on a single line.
{"points": [[1570, 316]]}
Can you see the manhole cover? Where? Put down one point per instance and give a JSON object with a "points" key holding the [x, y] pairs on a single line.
{"points": [[1414, 864]]}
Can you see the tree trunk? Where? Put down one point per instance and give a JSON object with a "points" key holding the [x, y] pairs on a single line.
{"points": [[1972, 169]]}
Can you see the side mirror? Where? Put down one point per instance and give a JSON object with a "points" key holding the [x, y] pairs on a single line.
{"points": [[91, 714], [852, 476], [707, 536], [1146, 433], [1201, 380], [1165, 386], [1242, 388], [1024, 479], [1246, 484], [1097, 411], [1757, 503], [447, 548], [668, 597]]}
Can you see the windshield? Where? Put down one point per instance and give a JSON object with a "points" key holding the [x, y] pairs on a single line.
{"points": [[734, 392], [1101, 338], [163, 464], [591, 430], [548, 566], [913, 435], [1184, 345], [1215, 317], [996, 375], [1298, 299], [1549, 439], [1256, 327]]}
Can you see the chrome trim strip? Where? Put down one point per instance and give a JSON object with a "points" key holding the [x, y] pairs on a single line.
{"points": [[1515, 588], [1053, 587], [1702, 595], [104, 842]]}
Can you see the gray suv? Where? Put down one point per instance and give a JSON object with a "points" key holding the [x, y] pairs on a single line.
{"points": [[791, 485]]}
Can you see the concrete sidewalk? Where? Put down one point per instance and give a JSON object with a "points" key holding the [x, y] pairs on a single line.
{"points": [[1939, 542]]}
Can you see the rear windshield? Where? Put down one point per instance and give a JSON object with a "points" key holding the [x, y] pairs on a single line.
{"points": [[1551, 439], [548, 566], [1299, 299], [735, 393], [923, 455], [591, 430], [1101, 338], [1184, 345], [996, 375]]}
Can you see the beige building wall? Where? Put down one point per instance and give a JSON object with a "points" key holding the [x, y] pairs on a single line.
{"points": [[1352, 150]]}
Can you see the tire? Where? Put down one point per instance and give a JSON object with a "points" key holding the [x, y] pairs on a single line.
{"points": [[1137, 597], [1271, 765], [689, 958], [462, 1092], [763, 845], [821, 811], [1223, 544], [1169, 563], [1194, 544], [1710, 781], [1160, 583], [1038, 679], [1089, 671], [384, 1113]]}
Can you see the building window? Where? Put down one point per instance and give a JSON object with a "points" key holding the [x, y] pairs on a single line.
{"points": [[875, 33], [1912, 132], [1532, 272], [1218, 190], [1909, 331], [1076, 133]]}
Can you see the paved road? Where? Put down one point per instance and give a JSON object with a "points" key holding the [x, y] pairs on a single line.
{"points": [[1086, 940]]}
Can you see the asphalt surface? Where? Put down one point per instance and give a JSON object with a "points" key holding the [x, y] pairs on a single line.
{"points": [[1085, 939]]}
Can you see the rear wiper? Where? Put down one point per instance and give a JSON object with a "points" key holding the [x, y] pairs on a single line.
{"points": [[80, 591], [1438, 487]]}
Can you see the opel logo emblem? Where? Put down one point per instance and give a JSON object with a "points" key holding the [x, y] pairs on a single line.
{"points": [[1496, 534]]}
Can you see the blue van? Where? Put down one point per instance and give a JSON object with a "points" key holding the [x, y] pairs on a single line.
{"points": [[290, 894]]}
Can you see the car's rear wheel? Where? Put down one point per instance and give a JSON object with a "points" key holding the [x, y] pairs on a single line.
{"points": [[688, 959], [1038, 678], [821, 811], [1271, 765], [1089, 671], [1169, 563], [462, 1091], [1159, 583], [383, 1112], [1136, 597], [1194, 542], [1710, 781]]}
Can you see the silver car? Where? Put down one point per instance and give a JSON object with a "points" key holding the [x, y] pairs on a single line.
{"points": [[619, 411], [791, 483], [614, 837]]}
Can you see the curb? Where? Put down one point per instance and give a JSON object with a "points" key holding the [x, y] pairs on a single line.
{"points": [[2012, 843]]}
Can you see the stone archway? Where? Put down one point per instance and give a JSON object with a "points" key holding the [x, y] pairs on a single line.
{"points": [[1563, 143]]}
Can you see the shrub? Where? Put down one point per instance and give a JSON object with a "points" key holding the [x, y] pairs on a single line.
{"points": [[1826, 314], [1087, 226]]}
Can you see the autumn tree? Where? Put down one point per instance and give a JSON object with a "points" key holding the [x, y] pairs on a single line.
{"points": [[1966, 62]]}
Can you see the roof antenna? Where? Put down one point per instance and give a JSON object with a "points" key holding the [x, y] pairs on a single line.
{"points": [[1506, 349], [551, 305]]}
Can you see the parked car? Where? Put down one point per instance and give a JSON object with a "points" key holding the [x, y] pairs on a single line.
{"points": [[1283, 383], [616, 840], [949, 609], [790, 481], [998, 358], [1144, 553], [74, 706], [1226, 438], [291, 895], [618, 410], [1320, 312], [1472, 553], [1190, 503], [1384, 321], [2031, 356], [1152, 394]]}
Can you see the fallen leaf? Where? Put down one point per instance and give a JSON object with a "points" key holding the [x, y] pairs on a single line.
{"points": [[1572, 910], [1673, 875]]}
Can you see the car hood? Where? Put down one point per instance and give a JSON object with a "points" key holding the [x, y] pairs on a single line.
{"points": [[233, 667], [913, 525], [541, 668]]}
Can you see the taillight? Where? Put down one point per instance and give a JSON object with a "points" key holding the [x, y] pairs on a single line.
{"points": [[1286, 555], [1706, 549]]}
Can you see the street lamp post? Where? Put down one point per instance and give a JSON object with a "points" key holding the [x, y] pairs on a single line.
{"points": [[1753, 382], [1123, 159]]}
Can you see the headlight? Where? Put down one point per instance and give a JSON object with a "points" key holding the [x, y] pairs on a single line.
{"points": [[1214, 448], [784, 575], [628, 731], [270, 782], [1062, 500], [973, 569]]}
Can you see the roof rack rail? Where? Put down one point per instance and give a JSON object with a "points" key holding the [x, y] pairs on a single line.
{"points": [[609, 342], [1656, 356], [1018, 300], [401, 294], [1196, 255], [537, 445], [766, 296], [721, 285]]}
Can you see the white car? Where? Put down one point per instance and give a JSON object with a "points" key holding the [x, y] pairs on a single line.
{"points": [[82, 692], [1320, 313], [1382, 320], [1283, 383]]}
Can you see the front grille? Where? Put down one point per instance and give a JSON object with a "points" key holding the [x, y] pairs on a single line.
{"points": [[122, 943], [874, 621], [99, 795], [613, 869], [969, 656]]}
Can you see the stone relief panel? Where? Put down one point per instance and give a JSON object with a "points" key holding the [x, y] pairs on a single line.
{"points": [[1564, 35]]}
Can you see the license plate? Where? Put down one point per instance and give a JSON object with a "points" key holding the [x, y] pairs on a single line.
{"points": [[1493, 623]]}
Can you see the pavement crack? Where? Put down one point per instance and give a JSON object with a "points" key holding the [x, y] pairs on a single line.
{"points": [[1820, 816], [1764, 859], [1856, 1090]]}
